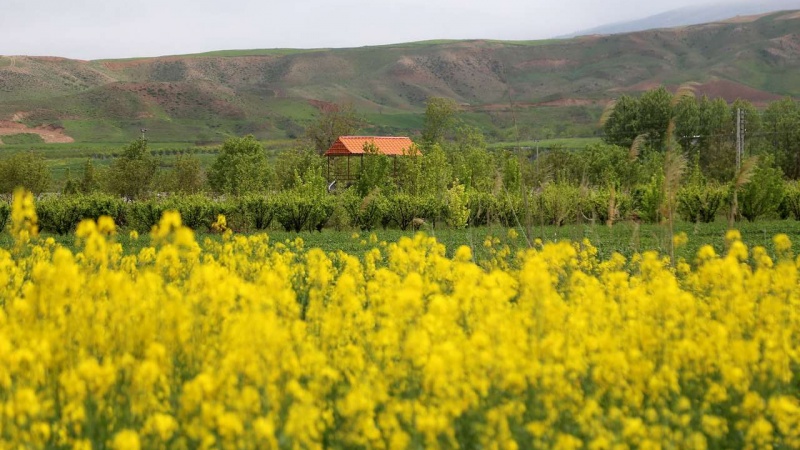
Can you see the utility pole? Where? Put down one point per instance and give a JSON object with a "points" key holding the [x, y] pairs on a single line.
{"points": [[739, 138]]}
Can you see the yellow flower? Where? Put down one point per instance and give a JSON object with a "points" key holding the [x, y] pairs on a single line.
{"points": [[126, 440]]}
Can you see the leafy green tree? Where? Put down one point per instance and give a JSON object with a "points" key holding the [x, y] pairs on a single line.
{"points": [[332, 122], [240, 168], [687, 124], [440, 116], [186, 176], [90, 182], [132, 174], [781, 123], [764, 193], [622, 125], [655, 112], [435, 172], [375, 171], [296, 161], [717, 144], [610, 165], [24, 169]]}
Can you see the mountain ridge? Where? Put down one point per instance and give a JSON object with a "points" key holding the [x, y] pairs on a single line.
{"points": [[551, 87]]}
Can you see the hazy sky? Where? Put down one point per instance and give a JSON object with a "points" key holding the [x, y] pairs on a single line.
{"points": [[92, 29]]}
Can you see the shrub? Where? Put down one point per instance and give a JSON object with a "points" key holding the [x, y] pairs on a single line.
{"points": [[700, 203], [365, 213], [482, 206], [763, 194], [258, 209], [457, 211], [61, 214], [602, 207], [560, 202], [649, 198], [791, 200], [404, 208]]}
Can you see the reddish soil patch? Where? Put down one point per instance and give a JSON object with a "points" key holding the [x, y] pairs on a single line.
{"points": [[730, 91], [49, 133]]}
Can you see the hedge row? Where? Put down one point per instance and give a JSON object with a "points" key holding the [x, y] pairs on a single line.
{"points": [[554, 204]]}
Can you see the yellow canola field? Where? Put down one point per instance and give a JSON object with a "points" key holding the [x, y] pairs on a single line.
{"points": [[244, 343]]}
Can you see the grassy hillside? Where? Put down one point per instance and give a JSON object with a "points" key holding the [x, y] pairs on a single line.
{"points": [[553, 88]]}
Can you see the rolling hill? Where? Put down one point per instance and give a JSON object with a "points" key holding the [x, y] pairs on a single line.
{"points": [[693, 15], [557, 87]]}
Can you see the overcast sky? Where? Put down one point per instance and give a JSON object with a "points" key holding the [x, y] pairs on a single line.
{"points": [[93, 29]]}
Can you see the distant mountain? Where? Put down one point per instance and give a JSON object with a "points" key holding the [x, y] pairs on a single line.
{"points": [[693, 15], [530, 89]]}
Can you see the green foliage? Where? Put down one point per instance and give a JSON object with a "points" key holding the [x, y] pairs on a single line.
{"points": [[375, 171], [440, 116], [622, 126], [511, 172], [185, 177], [132, 174], [654, 114], [240, 168], [25, 169], [763, 194], [306, 206], [781, 120], [791, 200], [482, 206], [560, 203], [457, 215], [22, 139], [435, 172], [609, 205], [293, 162], [701, 202], [404, 208], [367, 212], [61, 214], [89, 182], [610, 164], [648, 199], [259, 210]]}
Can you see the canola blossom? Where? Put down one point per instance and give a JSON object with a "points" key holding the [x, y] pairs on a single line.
{"points": [[246, 343]]}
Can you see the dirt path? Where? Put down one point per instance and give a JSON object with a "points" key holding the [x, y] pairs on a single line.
{"points": [[49, 134]]}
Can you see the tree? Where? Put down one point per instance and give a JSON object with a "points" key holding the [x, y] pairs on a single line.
{"points": [[333, 121], [622, 125], [90, 182], [241, 167], [781, 122], [717, 150], [655, 112], [440, 116], [299, 160], [186, 176], [687, 124], [24, 169], [132, 174], [375, 171]]}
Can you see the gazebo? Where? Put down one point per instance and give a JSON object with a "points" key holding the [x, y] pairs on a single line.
{"points": [[349, 147]]}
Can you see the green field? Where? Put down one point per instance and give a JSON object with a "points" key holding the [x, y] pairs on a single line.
{"points": [[625, 238]]}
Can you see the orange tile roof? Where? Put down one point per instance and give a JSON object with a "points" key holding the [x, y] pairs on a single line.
{"points": [[354, 145]]}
